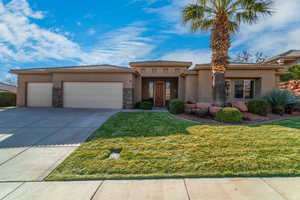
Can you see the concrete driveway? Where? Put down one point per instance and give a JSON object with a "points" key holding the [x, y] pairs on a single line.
{"points": [[33, 141]]}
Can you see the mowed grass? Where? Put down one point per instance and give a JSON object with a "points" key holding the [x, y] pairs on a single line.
{"points": [[160, 145]]}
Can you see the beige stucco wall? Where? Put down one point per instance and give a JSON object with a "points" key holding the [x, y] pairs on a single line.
{"points": [[191, 88], [126, 78], [137, 84], [161, 71], [59, 78], [267, 77]]}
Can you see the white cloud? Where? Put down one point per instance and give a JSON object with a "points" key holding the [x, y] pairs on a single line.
{"points": [[23, 41], [172, 14], [195, 56], [120, 46], [273, 34]]}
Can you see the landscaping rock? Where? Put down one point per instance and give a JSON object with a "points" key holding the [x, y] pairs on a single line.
{"points": [[201, 109], [293, 85], [188, 108], [213, 110], [203, 105], [241, 105]]}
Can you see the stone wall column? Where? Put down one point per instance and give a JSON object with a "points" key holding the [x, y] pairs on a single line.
{"points": [[57, 95], [128, 98]]}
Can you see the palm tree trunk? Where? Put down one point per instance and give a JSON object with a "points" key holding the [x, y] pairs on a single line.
{"points": [[220, 43]]}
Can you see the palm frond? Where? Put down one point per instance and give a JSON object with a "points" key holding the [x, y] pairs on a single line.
{"points": [[251, 10], [198, 16], [204, 25]]}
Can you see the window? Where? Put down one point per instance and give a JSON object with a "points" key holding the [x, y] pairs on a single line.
{"points": [[227, 87], [249, 89], [151, 89], [168, 91], [244, 89]]}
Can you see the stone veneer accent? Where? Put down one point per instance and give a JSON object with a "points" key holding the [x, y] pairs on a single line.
{"points": [[128, 98], [57, 97]]}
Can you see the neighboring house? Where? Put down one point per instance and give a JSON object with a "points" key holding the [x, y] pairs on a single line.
{"points": [[288, 58], [108, 86], [4, 87]]}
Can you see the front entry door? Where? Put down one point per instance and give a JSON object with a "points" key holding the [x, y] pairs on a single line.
{"points": [[159, 93]]}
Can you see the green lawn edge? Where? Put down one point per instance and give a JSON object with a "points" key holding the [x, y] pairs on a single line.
{"points": [[55, 177]]}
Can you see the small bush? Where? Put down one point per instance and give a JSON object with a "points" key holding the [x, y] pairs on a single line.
{"points": [[137, 105], [229, 115], [176, 106], [281, 99], [258, 106], [7, 99], [146, 105]]}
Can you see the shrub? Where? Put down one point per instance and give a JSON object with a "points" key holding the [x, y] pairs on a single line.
{"points": [[176, 106], [258, 106], [7, 99], [280, 99], [146, 105], [230, 115], [293, 75], [137, 105]]}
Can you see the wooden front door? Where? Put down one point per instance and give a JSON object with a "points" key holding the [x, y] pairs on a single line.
{"points": [[159, 93]]}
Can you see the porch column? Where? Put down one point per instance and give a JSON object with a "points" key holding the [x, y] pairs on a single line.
{"points": [[138, 88], [181, 86]]}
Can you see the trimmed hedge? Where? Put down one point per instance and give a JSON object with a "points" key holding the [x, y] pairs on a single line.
{"points": [[229, 115], [146, 105], [7, 99], [176, 106], [258, 106]]}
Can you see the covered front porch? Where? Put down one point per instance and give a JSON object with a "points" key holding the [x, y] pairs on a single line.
{"points": [[160, 90]]}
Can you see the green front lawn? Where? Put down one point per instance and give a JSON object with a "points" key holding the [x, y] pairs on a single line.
{"points": [[160, 145]]}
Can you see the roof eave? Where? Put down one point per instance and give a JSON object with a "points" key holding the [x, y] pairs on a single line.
{"points": [[160, 64], [241, 67], [49, 71]]}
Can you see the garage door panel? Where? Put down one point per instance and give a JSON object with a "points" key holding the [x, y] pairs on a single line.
{"points": [[39, 94], [93, 95]]}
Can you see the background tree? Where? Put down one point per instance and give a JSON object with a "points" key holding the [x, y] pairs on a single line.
{"points": [[247, 56], [243, 57], [259, 57], [223, 18], [293, 75]]}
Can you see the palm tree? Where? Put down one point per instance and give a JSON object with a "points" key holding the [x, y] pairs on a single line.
{"points": [[223, 18]]}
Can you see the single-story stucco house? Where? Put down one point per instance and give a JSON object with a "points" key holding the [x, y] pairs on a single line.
{"points": [[108, 86], [4, 87]]}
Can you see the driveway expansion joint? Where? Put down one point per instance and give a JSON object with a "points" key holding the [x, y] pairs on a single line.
{"points": [[186, 189], [98, 188], [273, 188], [21, 184]]}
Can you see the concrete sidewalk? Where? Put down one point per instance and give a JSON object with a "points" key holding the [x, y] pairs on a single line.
{"points": [[164, 189]]}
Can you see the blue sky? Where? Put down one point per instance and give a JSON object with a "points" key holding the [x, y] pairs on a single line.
{"points": [[40, 33]]}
